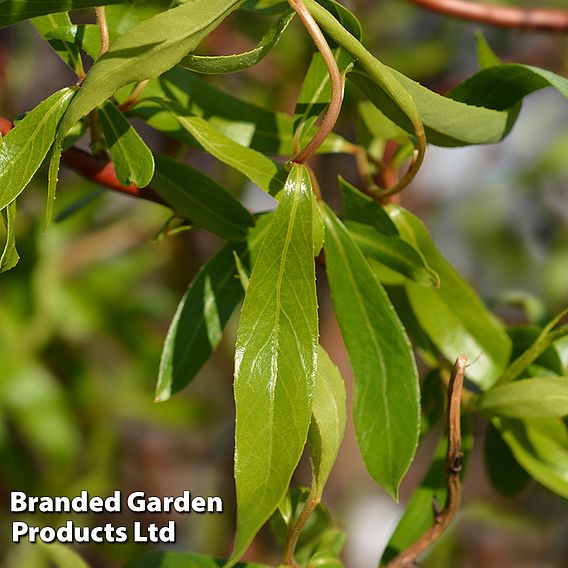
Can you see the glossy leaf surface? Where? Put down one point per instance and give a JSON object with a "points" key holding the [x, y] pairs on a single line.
{"points": [[132, 159], [329, 415], [386, 406], [147, 50], [452, 315], [275, 361], [23, 149], [197, 326]]}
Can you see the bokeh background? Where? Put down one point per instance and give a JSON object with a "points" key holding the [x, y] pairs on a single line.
{"points": [[84, 314]]}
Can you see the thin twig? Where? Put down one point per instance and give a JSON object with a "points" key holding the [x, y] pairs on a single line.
{"points": [[103, 27], [454, 459], [537, 19], [297, 527], [134, 96], [95, 169], [336, 78]]}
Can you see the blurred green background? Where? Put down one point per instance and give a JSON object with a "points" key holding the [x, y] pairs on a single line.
{"points": [[84, 314]]}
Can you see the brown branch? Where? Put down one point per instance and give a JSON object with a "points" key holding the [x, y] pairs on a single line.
{"points": [[454, 458], [537, 19], [103, 27], [96, 169]]}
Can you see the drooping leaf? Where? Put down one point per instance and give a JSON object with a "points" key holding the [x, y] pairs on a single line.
{"points": [[217, 64], [23, 149], [16, 10], [505, 474], [392, 252], [132, 159], [248, 124], [147, 50], [50, 23], [453, 316], [386, 406], [203, 312], [183, 560], [545, 397], [275, 361], [418, 514], [200, 199], [328, 421], [9, 257], [540, 446], [261, 170]]}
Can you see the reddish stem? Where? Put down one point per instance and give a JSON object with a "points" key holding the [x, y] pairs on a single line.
{"points": [[538, 19], [95, 169]]}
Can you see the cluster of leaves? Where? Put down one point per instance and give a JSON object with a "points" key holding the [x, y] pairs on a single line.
{"points": [[388, 280]]}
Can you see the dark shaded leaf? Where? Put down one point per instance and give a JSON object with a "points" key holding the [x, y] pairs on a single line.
{"points": [[197, 197]]}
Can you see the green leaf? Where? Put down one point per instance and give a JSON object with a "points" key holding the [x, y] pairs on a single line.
{"points": [[486, 57], [392, 252], [502, 86], [453, 315], [541, 448], [203, 312], [16, 10], [146, 51], [84, 36], [23, 149], [197, 197], [364, 209], [505, 474], [62, 556], [540, 346], [183, 560], [122, 17], [50, 23], [386, 406], [419, 514], [10, 256], [261, 170], [328, 421], [523, 338], [275, 361], [248, 124], [132, 159], [545, 397], [211, 64]]}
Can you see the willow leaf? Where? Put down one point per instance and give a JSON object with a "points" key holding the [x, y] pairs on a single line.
{"points": [[275, 361], [9, 257], [23, 149], [386, 406], [218, 64]]}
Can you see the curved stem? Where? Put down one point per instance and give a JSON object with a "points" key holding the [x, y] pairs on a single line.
{"points": [[103, 27], [297, 527], [454, 459], [337, 83], [537, 19]]}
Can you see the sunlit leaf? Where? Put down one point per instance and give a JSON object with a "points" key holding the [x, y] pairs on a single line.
{"points": [[132, 159], [275, 361], [9, 257], [23, 149]]}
